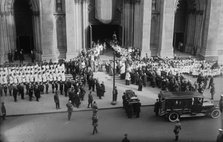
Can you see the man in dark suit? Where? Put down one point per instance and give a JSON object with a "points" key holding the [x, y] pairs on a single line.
{"points": [[140, 84], [21, 90], [69, 109], [3, 110], [37, 92], [125, 139], [47, 87], [103, 88], [31, 88], [15, 91], [61, 87], [56, 100]]}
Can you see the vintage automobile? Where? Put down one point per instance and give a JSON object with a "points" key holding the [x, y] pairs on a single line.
{"points": [[175, 105], [131, 103]]}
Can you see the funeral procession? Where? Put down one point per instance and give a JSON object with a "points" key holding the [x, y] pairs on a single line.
{"points": [[111, 70]]}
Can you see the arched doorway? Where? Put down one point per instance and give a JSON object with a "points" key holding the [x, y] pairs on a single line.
{"points": [[188, 26], [24, 26], [27, 25], [180, 26]]}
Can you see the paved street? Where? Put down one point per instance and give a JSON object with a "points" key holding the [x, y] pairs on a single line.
{"points": [[113, 123]]}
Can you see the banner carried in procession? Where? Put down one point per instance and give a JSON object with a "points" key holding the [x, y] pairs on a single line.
{"points": [[104, 10]]}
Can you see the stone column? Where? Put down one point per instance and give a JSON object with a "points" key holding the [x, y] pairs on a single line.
{"points": [[85, 24], [78, 29], [39, 53], [1, 41], [5, 36], [36, 30], [74, 28], [138, 16], [11, 28], [36, 48], [220, 38], [167, 27], [214, 37], [48, 30], [146, 27], [126, 24]]}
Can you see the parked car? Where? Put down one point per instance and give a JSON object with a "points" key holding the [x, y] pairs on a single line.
{"points": [[175, 105], [131, 103]]}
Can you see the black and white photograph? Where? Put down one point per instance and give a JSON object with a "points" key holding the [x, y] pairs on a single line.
{"points": [[111, 70]]}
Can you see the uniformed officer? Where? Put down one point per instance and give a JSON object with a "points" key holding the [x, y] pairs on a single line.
{"points": [[15, 92], [30, 91], [47, 86], [61, 87], [37, 92]]}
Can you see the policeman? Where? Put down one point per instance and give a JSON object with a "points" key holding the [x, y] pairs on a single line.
{"points": [[47, 86], [221, 103], [61, 87], [15, 91], [30, 92]]}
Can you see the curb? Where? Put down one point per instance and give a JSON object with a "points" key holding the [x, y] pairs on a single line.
{"points": [[64, 111]]}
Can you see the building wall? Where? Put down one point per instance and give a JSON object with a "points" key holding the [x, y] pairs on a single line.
{"points": [[143, 28]]}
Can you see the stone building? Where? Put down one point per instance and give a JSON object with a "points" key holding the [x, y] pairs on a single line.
{"points": [[57, 29]]}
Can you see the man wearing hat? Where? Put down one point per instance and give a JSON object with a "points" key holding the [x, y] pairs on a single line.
{"points": [[69, 109], [125, 139], [177, 129], [3, 110], [220, 136], [221, 103]]}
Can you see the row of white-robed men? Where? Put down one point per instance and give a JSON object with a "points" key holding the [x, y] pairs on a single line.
{"points": [[32, 73]]}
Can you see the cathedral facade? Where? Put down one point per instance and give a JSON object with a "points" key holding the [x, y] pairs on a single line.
{"points": [[61, 29]]}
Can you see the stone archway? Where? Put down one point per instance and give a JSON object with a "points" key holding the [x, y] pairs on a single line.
{"points": [[8, 28], [188, 26]]}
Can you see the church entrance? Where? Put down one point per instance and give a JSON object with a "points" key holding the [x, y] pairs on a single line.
{"points": [[188, 27], [24, 26], [104, 33], [180, 26]]}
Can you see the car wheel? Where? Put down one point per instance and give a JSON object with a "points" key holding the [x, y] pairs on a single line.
{"points": [[173, 116], [215, 113]]}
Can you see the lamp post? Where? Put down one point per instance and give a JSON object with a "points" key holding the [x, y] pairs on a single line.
{"points": [[113, 90], [220, 105]]}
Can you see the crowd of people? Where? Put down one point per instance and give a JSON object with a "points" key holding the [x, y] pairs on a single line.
{"points": [[19, 55], [167, 74]]}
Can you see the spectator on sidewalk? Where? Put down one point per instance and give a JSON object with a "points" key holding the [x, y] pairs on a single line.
{"points": [[125, 139], [56, 100], [69, 109], [212, 91], [15, 92], [211, 82], [3, 110], [221, 103], [90, 99]]}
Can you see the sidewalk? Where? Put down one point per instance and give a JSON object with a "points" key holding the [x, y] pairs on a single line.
{"points": [[46, 103]]}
